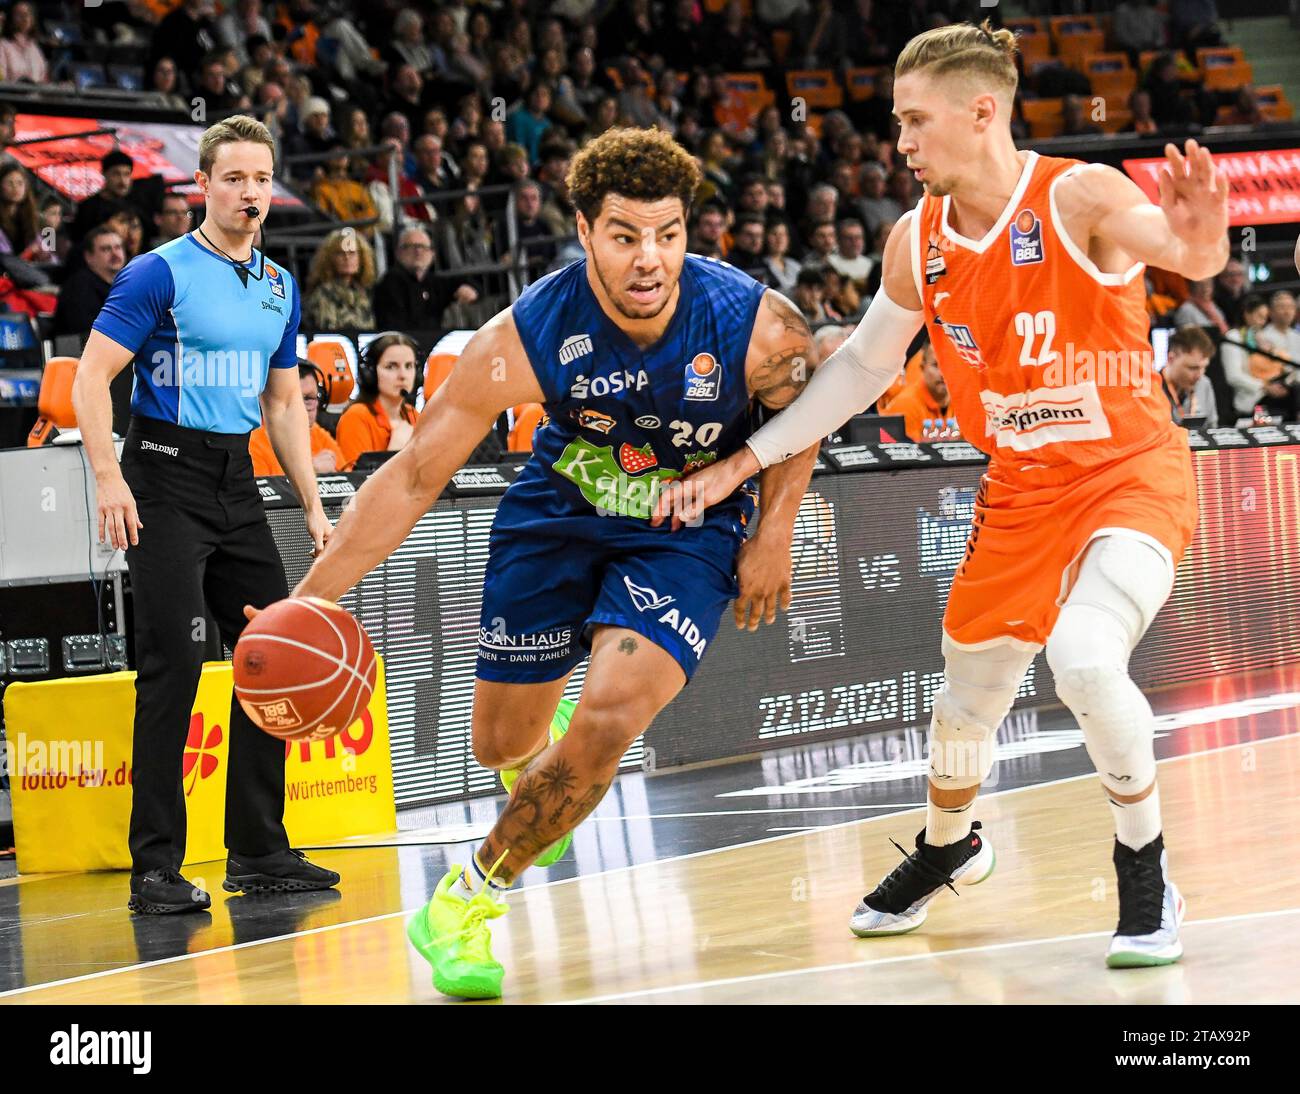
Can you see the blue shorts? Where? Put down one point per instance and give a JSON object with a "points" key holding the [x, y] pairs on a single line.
{"points": [[542, 595]]}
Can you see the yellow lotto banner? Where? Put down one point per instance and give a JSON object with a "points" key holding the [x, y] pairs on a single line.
{"points": [[68, 745]]}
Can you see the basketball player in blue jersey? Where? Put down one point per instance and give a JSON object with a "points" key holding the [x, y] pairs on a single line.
{"points": [[647, 360]]}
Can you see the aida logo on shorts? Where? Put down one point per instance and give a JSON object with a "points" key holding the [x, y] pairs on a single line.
{"points": [[645, 598], [1026, 239]]}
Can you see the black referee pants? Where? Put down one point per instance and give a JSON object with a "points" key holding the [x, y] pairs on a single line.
{"points": [[204, 546]]}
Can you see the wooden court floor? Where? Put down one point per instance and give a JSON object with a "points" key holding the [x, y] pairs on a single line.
{"points": [[767, 921]]}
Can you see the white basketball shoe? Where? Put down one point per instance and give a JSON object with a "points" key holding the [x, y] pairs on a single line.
{"points": [[1151, 909]]}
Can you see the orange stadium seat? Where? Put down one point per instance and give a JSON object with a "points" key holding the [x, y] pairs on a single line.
{"points": [[1031, 39], [54, 403], [330, 357], [436, 370], [753, 88], [1224, 69], [1043, 116], [527, 417], [1110, 75], [1076, 36], [1273, 103], [816, 86], [861, 82]]}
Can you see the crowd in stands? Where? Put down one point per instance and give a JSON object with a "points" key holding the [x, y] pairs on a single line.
{"points": [[445, 131]]}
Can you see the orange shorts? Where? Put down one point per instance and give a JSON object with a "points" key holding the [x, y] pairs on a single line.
{"points": [[1027, 538]]}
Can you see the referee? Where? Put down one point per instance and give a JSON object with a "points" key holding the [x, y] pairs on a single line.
{"points": [[210, 328]]}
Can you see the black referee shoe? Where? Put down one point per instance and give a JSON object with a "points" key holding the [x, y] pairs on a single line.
{"points": [[165, 892], [282, 872]]}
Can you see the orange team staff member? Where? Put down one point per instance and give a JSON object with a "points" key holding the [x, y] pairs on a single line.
{"points": [[1027, 270], [325, 453], [382, 419], [926, 397]]}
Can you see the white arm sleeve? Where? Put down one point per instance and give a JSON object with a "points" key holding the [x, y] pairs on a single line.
{"points": [[846, 383]]}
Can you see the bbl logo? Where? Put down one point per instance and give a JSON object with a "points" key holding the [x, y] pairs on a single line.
{"points": [[273, 277], [702, 379], [1026, 239]]}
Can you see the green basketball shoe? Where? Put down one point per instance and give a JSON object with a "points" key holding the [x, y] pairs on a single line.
{"points": [[451, 933]]}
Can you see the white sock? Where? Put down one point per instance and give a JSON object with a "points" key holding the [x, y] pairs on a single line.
{"points": [[944, 827], [473, 880], [1137, 823]]}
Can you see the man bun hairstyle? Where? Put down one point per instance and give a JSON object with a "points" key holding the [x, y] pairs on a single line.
{"points": [[641, 164], [984, 52]]}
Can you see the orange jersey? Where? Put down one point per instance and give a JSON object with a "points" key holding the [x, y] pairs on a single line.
{"points": [[1047, 358]]}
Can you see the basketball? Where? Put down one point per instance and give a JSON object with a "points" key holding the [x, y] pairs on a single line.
{"points": [[304, 669], [703, 364]]}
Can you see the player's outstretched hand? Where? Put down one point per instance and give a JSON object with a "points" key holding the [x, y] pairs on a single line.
{"points": [[1194, 195], [685, 500]]}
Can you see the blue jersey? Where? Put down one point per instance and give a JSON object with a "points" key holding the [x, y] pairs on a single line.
{"points": [[203, 340], [622, 419]]}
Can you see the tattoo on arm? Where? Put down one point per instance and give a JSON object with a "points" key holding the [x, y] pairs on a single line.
{"points": [[628, 646], [777, 381]]}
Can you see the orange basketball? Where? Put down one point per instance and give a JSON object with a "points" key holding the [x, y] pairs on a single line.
{"points": [[703, 364], [304, 669]]}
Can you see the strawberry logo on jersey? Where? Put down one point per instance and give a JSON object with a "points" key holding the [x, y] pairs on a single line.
{"points": [[635, 460], [696, 460], [1026, 239], [703, 379], [593, 419]]}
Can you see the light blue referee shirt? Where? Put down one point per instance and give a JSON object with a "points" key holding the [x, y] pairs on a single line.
{"points": [[203, 341]]}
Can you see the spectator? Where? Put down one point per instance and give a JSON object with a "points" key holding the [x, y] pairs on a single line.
{"points": [[8, 118], [821, 244], [1137, 27], [1142, 121], [1194, 24], [829, 338], [1247, 372], [1230, 291], [185, 35], [636, 101], [338, 195], [1245, 108], [407, 96], [409, 46], [357, 136], [1280, 336], [117, 168], [589, 87], [848, 258], [326, 455], [20, 52], [746, 251], [783, 269], [19, 221], [339, 283], [535, 247], [164, 81], [218, 94], [752, 196], [52, 223], [410, 296], [708, 237], [317, 134], [129, 225], [820, 41], [1168, 106], [822, 205], [927, 399], [174, 219], [431, 175], [557, 209], [810, 297], [527, 124], [842, 296], [1073, 122], [715, 162], [1199, 309], [512, 164], [1191, 395], [382, 419], [85, 291], [466, 239], [242, 22], [564, 106], [463, 63], [475, 165]]}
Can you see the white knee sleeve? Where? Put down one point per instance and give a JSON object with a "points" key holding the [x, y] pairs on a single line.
{"points": [[1121, 585], [979, 688]]}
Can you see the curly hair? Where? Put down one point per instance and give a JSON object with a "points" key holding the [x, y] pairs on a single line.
{"points": [[642, 164], [322, 263]]}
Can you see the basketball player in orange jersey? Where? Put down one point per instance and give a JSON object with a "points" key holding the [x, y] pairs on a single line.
{"points": [[1027, 272]]}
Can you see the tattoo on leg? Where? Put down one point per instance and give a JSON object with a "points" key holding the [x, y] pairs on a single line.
{"points": [[628, 646], [556, 779]]}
